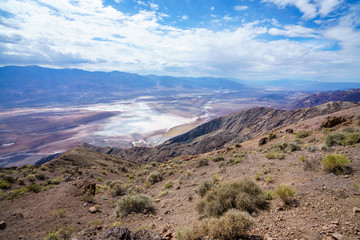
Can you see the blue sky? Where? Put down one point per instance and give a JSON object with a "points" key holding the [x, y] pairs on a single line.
{"points": [[249, 40]]}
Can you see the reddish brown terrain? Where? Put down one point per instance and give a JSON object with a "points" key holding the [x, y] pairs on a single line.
{"points": [[325, 205]]}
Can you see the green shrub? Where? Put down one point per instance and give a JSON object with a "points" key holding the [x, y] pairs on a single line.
{"points": [[272, 136], [61, 213], [155, 177], [33, 188], [302, 134], [167, 185], [285, 193], [117, 189], [202, 162], [204, 187], [243, 195], [31, 178], [40, 176], [269, 195], [294, 147], [9, 179], [5, 184], [137, 203], [218, 159], [334, 139], [232, 225], [351, 139], [335, 163], [21, 181], [273, 155]]}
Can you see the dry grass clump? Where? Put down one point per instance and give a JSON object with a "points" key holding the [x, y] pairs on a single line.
{"points": [[202, 162], [285, 193], [117, 189], [138, 203], [273, 155], [155, 177], [347, 137], [335, 163], [302, 134], [233, 224], [243, 195], [204, 187]]}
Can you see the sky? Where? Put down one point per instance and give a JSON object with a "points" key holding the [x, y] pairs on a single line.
{"points": [[248, 40]]}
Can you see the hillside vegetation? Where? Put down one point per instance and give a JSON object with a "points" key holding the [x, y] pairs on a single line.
{"points": [[293, 185]]}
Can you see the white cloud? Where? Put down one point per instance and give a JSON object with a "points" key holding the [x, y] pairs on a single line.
{"points": [[88, 35], [310, 8], [184, 17], [212, 8], [240, 8], [294, 31]]}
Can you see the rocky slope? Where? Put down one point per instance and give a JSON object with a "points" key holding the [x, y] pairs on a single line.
{"points": [[351, 95], [234, 128], [325, 206]]}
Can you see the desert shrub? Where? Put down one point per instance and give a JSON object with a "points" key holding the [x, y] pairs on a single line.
{"points": [[280, 146], [137, 203], [218, 159], [243, 195], [269, 195], [9, 179], [311, 164], [294, 147], [311, 148], [272, 136], [202, 162], [33, 188], [334, 163], [257, 177], [232, 225], [155, 177], [163, 193], [167, 185], [273, 155], [334, 139], [204, 187], [5, 184], [351, 139], [117, 189], [21, 181], [285, 193], [302, 134], [40, 176], [61, 213], [31, 178]]}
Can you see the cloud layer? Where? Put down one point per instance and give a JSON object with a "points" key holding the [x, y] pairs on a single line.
{"points": [[87, 34]]}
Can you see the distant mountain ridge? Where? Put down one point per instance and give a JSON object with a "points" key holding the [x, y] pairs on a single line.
{"points": [[236, 127], [351, 95], [33, 85]]}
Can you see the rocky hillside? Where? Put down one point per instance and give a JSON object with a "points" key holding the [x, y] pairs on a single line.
{"points": [[234, 128], [303, 183], [351, 95]]}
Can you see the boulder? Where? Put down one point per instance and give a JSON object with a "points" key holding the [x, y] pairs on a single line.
{"points": [[332, 121], [263, 141]]}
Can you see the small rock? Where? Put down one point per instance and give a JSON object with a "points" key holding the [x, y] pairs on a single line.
{"points": [[289, 130], [157, 200], [167, 212], [162, 205], [356, 210], [338, 236], [85, 204], [146, 211], [2, 225], [99, 227], [93, 209], [327, 238], [159, 218], [263, 141], [336, 222]]}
